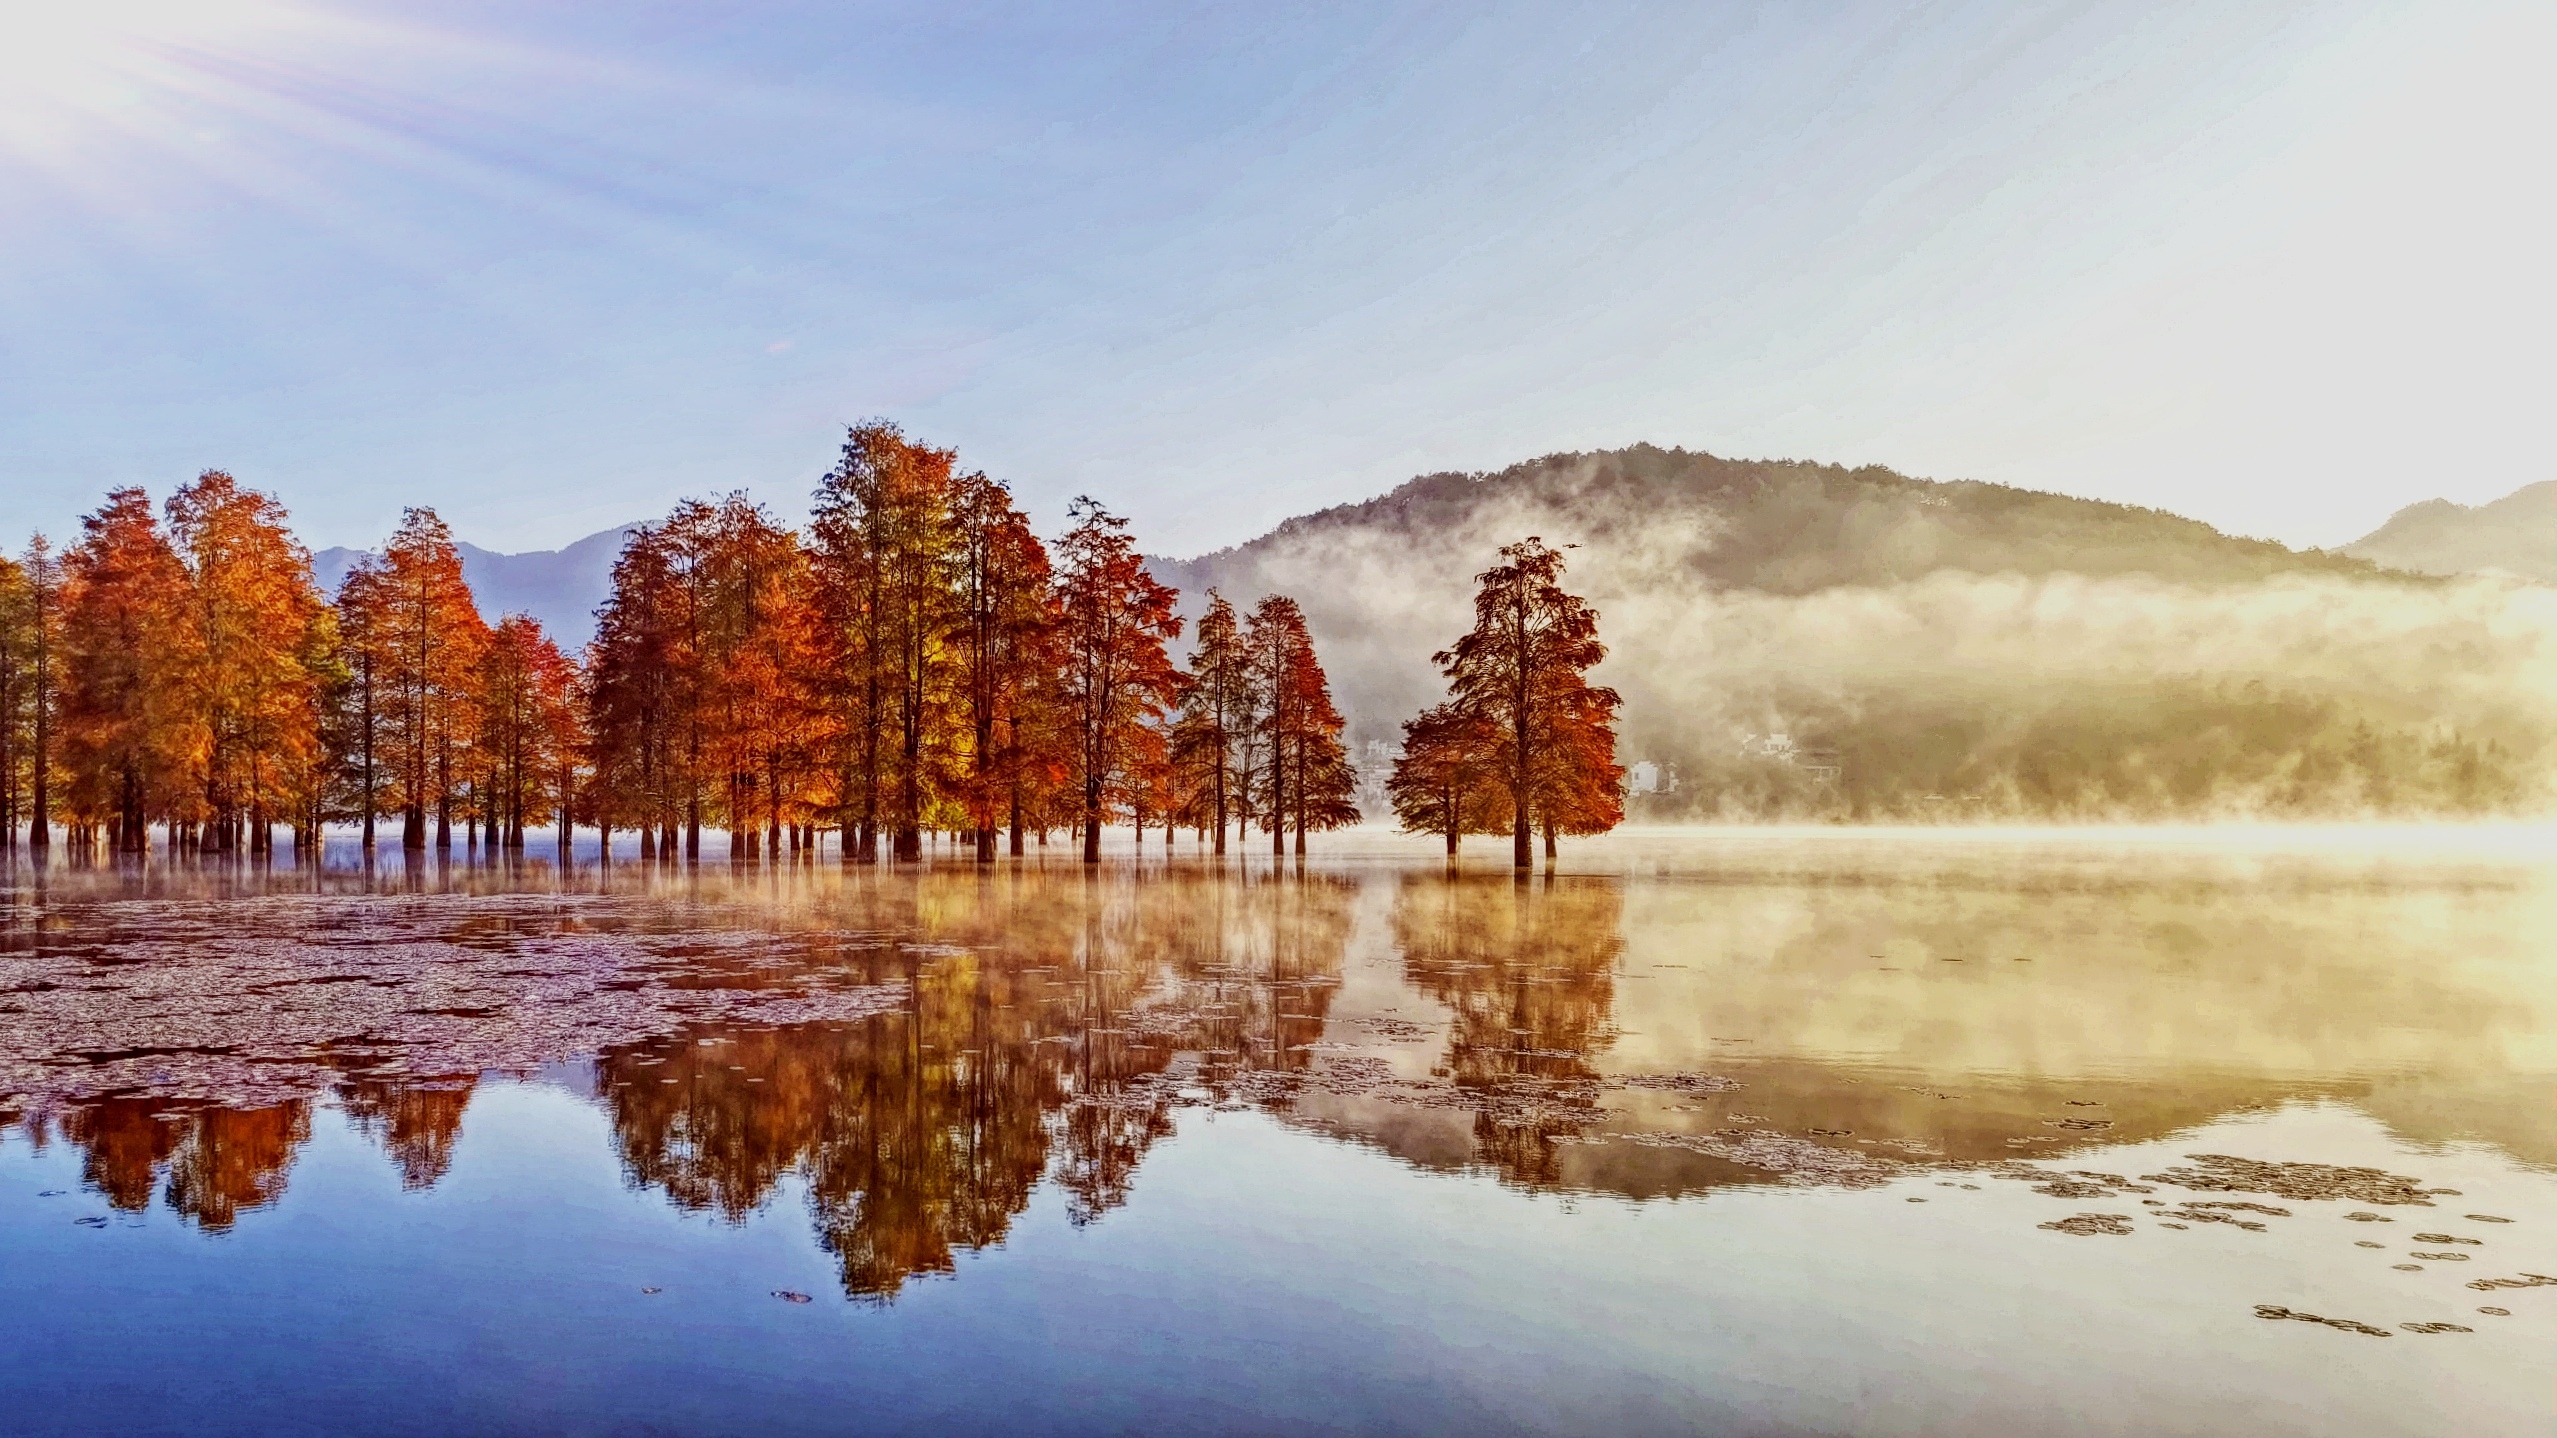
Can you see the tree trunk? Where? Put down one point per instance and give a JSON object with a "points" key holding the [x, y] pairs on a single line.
{"points": [[1278, 789]]}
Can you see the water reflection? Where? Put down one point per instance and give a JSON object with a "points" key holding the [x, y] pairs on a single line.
{"points": [[1526, 971], [1037, 1013], [415, 1122], [912, 1055], [208, 1164]]}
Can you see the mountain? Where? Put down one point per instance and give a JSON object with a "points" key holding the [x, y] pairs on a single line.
{"points": [[2516, 534], [1801, 640], [1386, 582], [559, 587]]}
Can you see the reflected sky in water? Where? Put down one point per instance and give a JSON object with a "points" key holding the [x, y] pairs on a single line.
{"points": [[1763, 1134]]}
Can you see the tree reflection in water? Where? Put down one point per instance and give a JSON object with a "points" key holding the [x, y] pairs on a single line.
{"points": [[1526, 968], [416, 1123], [216, 1161], [1043, 1020]]}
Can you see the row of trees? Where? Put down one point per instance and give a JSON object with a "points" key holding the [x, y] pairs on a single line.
{"points": [[919, 661], [181, 667], [916, 661]]}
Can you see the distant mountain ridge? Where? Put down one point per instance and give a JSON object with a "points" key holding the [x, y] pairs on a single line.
{"points": [[560, 587], [1792, 526], [2516, 534]]}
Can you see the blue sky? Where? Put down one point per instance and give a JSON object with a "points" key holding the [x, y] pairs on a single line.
{"points": [[550, 267]]}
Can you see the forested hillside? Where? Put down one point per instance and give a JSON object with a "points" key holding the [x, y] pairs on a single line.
{"points": [[1804, 640]]}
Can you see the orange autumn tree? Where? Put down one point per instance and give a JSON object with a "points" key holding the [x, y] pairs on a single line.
{"points": [[1208, 742], [759, 656], [1002, 632], [886, 549], [1308, 779], [1446, 781], [423, 638], [246, 706], [126, 647], [1117, 680], [704, 692], [529, 740], [641, 691], [1521, 672]]}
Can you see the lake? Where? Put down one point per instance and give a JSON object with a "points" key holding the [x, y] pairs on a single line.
{"points": [[1786, 1132]]}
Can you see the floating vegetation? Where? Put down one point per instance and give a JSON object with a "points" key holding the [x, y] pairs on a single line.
{"points": [[2195, 1213], [2369, 1218], [2497, 1312], [2079, 1183], [2435, 1328], [1776, 1153], [2366, 1243], [2447, 1238], [2527, 1280], [2442, 1257], [2221, 1173], [2275, 1310], [2486, 1218], [1683, 1083], [293, 998], [2089, 1224]]}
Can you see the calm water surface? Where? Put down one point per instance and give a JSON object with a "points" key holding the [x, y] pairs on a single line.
{"points": [[1736, 1134]]}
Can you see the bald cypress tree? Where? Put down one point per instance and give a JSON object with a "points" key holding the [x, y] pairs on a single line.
{"points": [[1117, 679], [1522, 673]]}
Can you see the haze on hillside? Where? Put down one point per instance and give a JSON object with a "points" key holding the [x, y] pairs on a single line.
{"points": [[1796, 640]]}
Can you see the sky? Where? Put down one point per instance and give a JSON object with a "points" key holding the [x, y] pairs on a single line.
{"points": [[550, 267]]}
